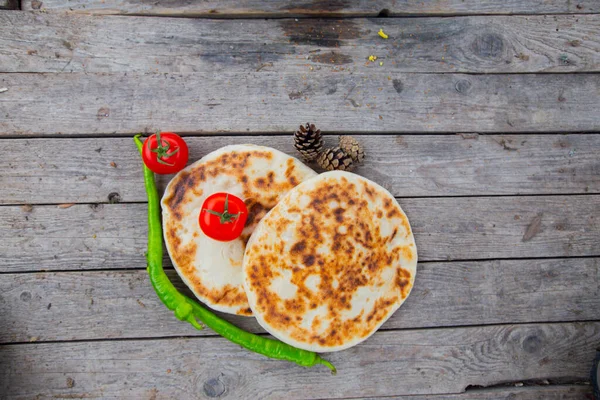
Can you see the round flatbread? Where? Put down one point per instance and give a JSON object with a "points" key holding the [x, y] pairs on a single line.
{"points": [[212, 269], [329, 264]]}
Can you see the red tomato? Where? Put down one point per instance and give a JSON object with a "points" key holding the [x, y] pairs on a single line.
{"points": [[168, 157], [223, 216]]}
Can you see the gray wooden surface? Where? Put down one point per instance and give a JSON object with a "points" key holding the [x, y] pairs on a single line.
{"points": [[476, 121], [558, 392], [262, 102], [113, 236], [62, 42], [64, 306], [315, 8], [88, 170], [430, 361]]}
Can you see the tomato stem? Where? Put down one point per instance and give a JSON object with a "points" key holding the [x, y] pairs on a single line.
{"points": [[162, 150], [224, 217]]}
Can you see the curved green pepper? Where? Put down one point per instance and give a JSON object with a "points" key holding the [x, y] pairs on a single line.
{"points": [[186, 309]]}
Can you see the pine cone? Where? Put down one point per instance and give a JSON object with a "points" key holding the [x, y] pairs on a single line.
{"points": [[308, 141], [335, 158], [353, 148]]}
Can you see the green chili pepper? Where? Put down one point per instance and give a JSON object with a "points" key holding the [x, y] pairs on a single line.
{"points": [[189, 310]]}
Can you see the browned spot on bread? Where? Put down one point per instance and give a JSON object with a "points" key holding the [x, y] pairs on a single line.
{"points": [[403, 281], [378, 312], [318, 205], [295, 306], [260, 183], [392, 213], [369, 192], [405, 225], [172, 236], [256, 211], [185, 256], [316, 323], [289, 173], [407, 253], [339, 214], [244, 237], [299, 247], [309, 260]]}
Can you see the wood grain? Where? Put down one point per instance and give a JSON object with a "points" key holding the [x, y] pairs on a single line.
{"points": [[63, 306], [72, 43], [554, 392], [311, 8], [89, 170], [7, 4], [109, 236], [263, 102], [436, 361]]}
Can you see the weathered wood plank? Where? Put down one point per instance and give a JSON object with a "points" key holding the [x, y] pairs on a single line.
{"points": [[122, 304], [66, 42], [88, 170], [262, 102], [554, 392], [275, 8], [109, 236], [7, 4], [429, 361]]}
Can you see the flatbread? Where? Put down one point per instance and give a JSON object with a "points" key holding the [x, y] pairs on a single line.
{"points": [[329, 264], [211, 269]]}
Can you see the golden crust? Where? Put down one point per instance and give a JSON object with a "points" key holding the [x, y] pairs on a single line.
{"points": [[327, 252]]}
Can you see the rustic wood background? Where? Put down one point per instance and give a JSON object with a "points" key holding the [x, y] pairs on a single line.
{"points": [[484, 121]]}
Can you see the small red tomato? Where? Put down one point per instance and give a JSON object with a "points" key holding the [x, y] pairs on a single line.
{"points": [[223, 216], [165, 153]]}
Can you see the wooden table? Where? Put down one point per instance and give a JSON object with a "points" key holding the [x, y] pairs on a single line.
{"points": [[483, 118]]}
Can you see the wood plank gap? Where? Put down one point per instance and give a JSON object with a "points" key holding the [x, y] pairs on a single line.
{"points": [[309, 10], [46, 73], [399, 198], [500, 391], [238, 17], [116, 135], [528, 383], [170, 267], [265, 334], [87, 237]]}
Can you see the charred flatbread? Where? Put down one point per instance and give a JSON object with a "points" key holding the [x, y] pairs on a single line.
{"points": [[211, 269], [329, 264]]}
